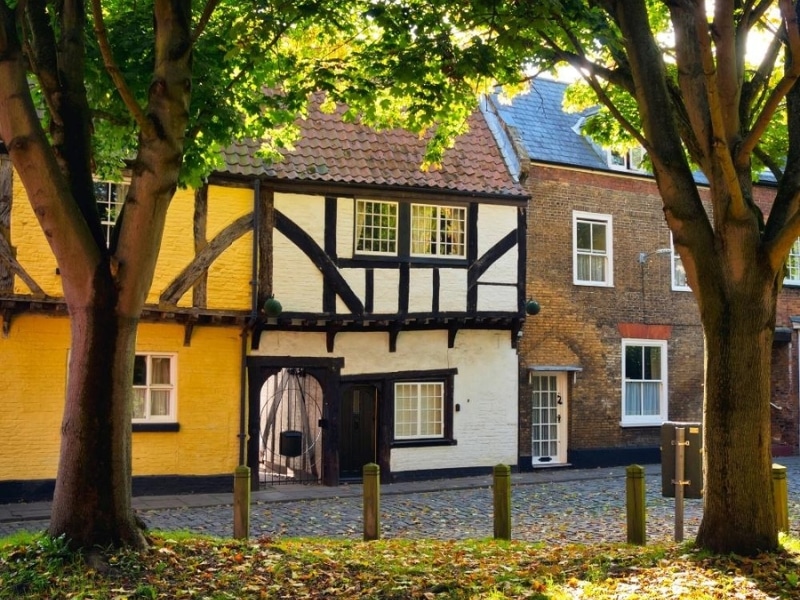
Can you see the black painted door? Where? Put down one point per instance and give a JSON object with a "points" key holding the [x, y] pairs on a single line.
{"points": [[357, 433]]}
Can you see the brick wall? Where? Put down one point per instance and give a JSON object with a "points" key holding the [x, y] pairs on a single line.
{"points": [[579, 326]]}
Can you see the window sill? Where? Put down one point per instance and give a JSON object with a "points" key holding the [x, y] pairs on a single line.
{"points": [[646, 424], [423, 443], [597, 284], [155, 427]]}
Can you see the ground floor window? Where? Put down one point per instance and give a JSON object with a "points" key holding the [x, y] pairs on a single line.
{"points": [[418, 410], [644, 375], [154, 390]]}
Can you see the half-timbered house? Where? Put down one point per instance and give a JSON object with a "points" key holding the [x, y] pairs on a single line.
{"points": [[340, 307]]}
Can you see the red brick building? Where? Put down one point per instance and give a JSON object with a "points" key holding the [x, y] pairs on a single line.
{"points": [[617, 347]]}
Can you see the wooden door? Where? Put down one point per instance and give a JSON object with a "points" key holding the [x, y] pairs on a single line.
{"points": [[357, 432]]}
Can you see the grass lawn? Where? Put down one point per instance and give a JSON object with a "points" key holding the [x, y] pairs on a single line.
{"points": [[183, 565]]}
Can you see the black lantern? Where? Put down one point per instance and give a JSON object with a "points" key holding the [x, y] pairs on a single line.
{"points": [[272, 308], [532, 307]]}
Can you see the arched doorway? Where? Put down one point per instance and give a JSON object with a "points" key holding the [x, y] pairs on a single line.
{"points": [[292, 422], [291, 432]]}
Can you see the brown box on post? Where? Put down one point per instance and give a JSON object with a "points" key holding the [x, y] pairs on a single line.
{"points": [[693, 459]]}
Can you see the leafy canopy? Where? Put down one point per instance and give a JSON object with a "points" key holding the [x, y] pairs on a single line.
{"points": [[395, 64]]}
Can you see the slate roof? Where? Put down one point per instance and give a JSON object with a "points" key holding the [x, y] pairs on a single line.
{"points": [[547, 133], [332, 151]]}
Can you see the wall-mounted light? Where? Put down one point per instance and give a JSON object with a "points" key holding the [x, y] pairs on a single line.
{"points": [[272, 308], [643, 256], [532, 307]]}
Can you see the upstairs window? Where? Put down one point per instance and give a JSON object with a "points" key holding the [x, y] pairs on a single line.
{"points": [[792, 276], [410, 230], [376, 227], [438, 231], [418, 410], [110, 198], [630, 160], [154, 388], [644, 375], [592, 256]]}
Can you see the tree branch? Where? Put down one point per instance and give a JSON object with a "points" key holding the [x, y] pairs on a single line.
{"points": [[728, 68], [205, 17], [64, 226], [43, 55], [723, 132], [781, 89], [113, 71]]}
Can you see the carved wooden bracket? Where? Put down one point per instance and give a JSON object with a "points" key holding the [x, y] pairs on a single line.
{"points": [[7, 313]]}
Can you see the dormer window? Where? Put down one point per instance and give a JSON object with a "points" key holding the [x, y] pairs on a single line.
{"points": [[630, 160]]}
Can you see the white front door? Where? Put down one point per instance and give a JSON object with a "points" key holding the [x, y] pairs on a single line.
{"points": [[549, 419]]}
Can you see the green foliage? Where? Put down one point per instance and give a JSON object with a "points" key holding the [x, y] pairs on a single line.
{"points": [[395, 64]]}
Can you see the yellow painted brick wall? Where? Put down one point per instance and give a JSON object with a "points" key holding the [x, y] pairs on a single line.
{"points": [[33, 251], [34, 359], [208, 403], [34, 375], [229, 276]]}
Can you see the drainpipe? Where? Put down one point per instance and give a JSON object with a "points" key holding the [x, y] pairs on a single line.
{"points": [[249, 324]]}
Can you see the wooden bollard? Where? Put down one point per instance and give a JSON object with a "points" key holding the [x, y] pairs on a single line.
{"points": [[780, 497], [372, 501], [241, 502], [635, 492], [502, 502]]}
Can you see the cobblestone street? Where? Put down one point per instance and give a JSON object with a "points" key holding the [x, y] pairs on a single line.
{"points": [[589, 510]]}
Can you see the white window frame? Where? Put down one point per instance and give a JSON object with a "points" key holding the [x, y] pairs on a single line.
{"points": [[630, 160], [594, 218], [645, 420], [418, 421], [108, 207], [793, 265], [679, 282], [458, 215], [359, 204], [148, 387]]}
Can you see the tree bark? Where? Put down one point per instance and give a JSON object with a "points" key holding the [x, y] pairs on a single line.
{"points": [[92, 500], [738, 513]]}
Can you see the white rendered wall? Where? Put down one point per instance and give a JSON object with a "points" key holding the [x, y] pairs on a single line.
{"points": [[485, 386], [386, 291], [296, 282], [420, 286], [345, 227]]}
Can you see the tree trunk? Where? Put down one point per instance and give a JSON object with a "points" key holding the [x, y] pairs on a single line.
{"points": [[738, 513], [92, 500]]}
